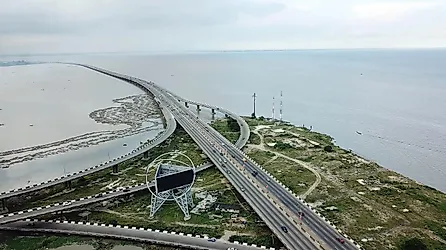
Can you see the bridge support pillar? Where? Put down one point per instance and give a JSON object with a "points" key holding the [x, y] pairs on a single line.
{"points": [[115, 168], [68, 184], [146, 155], [3, 208], [198, 108], [185, 104]]}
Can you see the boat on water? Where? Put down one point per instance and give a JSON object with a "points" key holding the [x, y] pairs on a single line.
{"points": [[359, 132]]}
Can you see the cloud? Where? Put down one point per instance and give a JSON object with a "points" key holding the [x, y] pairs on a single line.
{"points": [[390, 11], [34, 26]]}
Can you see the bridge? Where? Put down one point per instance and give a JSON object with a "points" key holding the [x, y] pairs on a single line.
{"points": [[275, 205]]}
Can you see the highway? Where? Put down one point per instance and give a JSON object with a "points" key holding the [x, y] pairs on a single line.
{"points": [[313, 221], [320, 228], [275, 205], [170, 128], [133, 234], [273, 216]]}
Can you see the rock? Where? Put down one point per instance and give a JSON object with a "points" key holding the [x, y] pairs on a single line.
{"points": [[361, 193], [393, 206], [361, 181], [354, 198], [332, 208], [405, 210], [364, 240]]}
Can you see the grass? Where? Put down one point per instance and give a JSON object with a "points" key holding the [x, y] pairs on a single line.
{"points": [[232, 133], [41, 242], [130, 172], [260, 240], [361, 212], [298, 178]]}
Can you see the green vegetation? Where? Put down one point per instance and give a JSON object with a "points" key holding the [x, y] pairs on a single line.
{"points": [[229, 128], [413, 244], [39, 242], [260, 240], [377, 207], [44, 242], [133, 210], [130, 173]]}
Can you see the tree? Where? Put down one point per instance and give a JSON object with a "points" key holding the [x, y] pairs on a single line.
{"points": [[328, 148], [413, 244], [253, 115], [261, 118]]}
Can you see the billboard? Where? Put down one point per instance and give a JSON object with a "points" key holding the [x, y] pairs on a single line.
{"points": [[175, 180]]}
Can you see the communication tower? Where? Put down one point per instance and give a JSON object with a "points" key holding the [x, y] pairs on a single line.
{"points": [[274, 113], [281, 106]]}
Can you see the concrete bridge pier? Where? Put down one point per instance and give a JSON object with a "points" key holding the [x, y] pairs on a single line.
{"points": [[68, 184], [198, 108], [115, 168], [3, 208], [146, 155], [185, 104]]}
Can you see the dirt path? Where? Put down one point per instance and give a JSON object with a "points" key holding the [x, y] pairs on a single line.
{"points": [[303, 164], [195, 225], [228, 234]]}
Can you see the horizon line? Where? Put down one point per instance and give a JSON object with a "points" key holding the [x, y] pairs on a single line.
{"points": [[215, 51]]}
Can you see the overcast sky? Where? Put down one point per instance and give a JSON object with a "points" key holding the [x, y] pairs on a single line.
{"points": [[54, 26]]}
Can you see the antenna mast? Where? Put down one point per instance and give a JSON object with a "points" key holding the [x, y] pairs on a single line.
{"points": [[281, 105], [254, 97], [274, 113]]}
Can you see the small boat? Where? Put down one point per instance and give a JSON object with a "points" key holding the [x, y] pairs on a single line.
{"points": [[31, 125], [359, 133], [125, 145]]}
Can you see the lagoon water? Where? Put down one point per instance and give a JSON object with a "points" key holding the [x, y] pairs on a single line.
{"points": [[396, 98], [57, 100]]}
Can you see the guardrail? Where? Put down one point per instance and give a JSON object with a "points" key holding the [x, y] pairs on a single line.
{"points": [[127, 229]]}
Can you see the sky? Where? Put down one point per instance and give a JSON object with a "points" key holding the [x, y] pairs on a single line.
{"points": [[85, 26]]}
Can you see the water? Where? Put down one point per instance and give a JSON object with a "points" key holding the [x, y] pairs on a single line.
{"points": [[397, 103], [56, 100]]}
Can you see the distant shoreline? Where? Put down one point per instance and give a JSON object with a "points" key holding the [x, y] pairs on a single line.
{"points": [[216, 51]]}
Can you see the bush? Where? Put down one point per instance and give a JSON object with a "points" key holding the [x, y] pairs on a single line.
{"points": [[413, 244], [328, 148], [282, 146]]}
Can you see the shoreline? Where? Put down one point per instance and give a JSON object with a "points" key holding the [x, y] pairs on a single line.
{"points": [[376, 206], [349, 149]]}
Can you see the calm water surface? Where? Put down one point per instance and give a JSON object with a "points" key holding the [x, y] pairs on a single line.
{"points": [[398, 102]]}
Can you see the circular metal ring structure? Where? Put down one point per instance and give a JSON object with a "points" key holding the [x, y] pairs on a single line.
{"points": [[157, 162]]}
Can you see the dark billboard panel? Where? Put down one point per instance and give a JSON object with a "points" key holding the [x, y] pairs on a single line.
{"points": [[176, 180]]}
